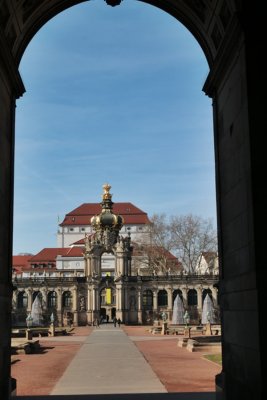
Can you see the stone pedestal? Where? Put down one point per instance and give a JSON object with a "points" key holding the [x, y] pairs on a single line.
{"points": [[28, 334], [164, 328], [52, 330], [187, 332], [208, 331], [182, 342]]}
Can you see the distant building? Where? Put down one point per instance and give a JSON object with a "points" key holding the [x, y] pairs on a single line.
{"points": [[103, 267], [208, 263]]}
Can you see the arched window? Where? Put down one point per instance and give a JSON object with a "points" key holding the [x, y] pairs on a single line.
{"points": [[35, 294], [175, 293], [52, 300], [147, 299], [66, 299], [192, 297], [162, 298], [22, 300], [204, 293]]}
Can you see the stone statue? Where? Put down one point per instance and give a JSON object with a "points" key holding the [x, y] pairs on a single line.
{"points": [[132, 303], [164, 316], [82, 303]]}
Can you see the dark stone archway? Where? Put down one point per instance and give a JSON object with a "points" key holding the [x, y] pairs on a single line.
{"points": [[229, 33]]}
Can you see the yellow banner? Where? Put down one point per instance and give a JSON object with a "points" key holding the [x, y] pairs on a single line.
{"points": [[108, 296]]}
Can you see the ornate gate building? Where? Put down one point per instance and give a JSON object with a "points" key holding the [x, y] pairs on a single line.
{"points": [[100, 276]]}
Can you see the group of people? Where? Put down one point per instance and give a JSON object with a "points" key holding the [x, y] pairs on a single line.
{"points": [[116, 321]]}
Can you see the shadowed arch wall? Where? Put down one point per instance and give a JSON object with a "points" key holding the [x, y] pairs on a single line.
{"points": [[225, 32]]}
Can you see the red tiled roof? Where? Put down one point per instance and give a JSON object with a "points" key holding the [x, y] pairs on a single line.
{"points": [[50, 253], [74, 252], [47, 254], [20, 260], [82, 215]]}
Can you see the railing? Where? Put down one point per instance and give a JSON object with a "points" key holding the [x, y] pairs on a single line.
{"points": [[53, 281], [175, 278], [41, 281]]}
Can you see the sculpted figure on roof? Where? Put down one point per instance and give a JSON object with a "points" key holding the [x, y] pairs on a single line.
{"points": [[106, 195]]}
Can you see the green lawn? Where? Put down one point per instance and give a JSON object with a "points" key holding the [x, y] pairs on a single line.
{"points": [[217, 358]]}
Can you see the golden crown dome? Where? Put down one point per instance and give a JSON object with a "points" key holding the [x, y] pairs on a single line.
{"points": [[107, 219]]}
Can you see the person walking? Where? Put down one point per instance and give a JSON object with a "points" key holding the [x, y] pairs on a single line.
{"points": [[115, 321], [107, 318], [96, 323], [119, 322]]}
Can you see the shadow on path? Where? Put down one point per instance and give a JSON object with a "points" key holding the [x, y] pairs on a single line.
{"points": [[132, 396]]}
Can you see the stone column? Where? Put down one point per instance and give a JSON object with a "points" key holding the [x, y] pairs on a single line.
{"points": [[89, 306], [139, 305], [44, 293], [11, 88], [199, 301], [87, 266], [95, 302], [119, 266], [74, 306], [126, 304], [170, 305], [119, 301], [155, 301], [184, 292], [59, 307], [29, 294]]}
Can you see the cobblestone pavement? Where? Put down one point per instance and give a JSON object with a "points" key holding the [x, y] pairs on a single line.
{"points": [[178, 369]]}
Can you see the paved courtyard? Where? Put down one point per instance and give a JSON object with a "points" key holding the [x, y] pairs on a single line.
{"points": [[109, 360]]}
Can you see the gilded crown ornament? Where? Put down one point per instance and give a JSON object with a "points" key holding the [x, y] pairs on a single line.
{"points": [[107, 225]]}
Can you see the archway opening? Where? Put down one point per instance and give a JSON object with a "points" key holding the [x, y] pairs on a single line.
{"points": [[153, 149]]}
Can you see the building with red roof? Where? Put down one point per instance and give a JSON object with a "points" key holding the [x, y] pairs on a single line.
{"points": [[77, 222], [105, 265]]}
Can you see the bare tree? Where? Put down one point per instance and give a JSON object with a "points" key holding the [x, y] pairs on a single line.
{"points": [[155, 257], [175, 244], [191, 236], [153, 260]]}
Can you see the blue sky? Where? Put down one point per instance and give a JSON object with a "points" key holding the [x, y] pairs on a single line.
{"points": [[112, 95]]}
